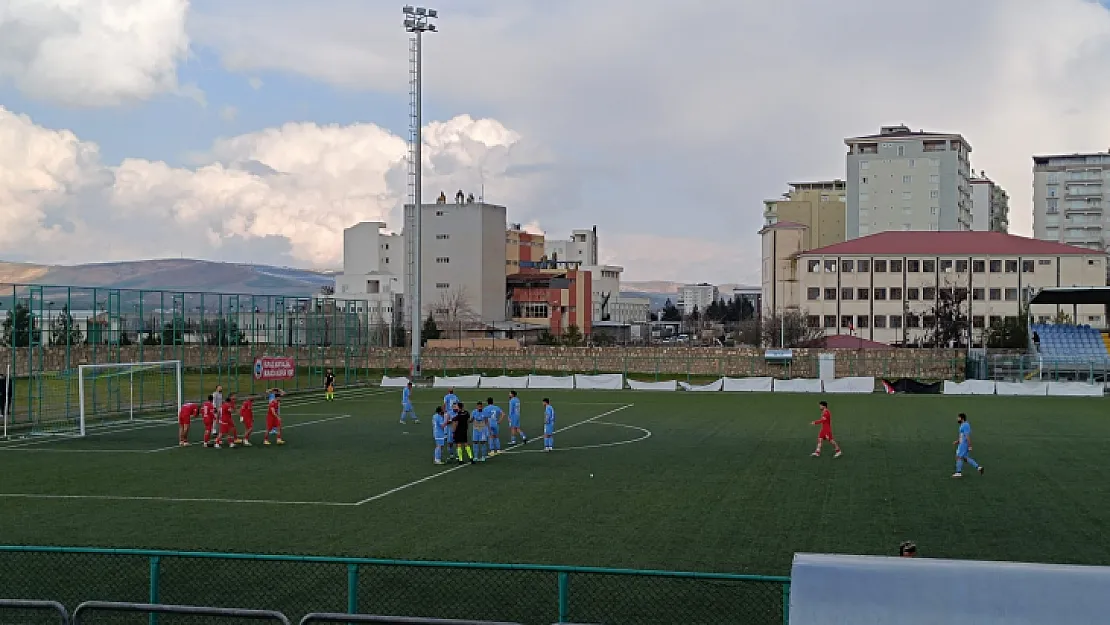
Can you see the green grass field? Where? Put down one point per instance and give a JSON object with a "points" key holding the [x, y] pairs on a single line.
{"points": [[708, 482]]}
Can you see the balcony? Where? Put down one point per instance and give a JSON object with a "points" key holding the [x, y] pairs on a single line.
{"points": [[1085, 190]]}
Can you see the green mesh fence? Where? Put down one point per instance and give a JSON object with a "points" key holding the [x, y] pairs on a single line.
{"points": [[296, 586]]}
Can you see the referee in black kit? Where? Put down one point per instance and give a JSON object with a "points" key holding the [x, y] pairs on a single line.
{"points": [[461, 426]]}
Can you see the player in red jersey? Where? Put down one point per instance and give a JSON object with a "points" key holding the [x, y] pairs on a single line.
{"points": [[273, 417], [208, 415], [246, 415], [227, 423], [188, 411], [826, 431]]}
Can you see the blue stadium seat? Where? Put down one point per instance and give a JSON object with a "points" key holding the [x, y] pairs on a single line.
{"points": [[1072, 344]]}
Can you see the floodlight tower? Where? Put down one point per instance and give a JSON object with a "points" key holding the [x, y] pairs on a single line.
{"points": [[418, 20]]}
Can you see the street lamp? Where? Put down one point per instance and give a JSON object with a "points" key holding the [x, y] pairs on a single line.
{"points": [[418, 20]]}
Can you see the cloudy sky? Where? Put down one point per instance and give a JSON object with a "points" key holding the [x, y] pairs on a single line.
{"points": [[256, 130]]}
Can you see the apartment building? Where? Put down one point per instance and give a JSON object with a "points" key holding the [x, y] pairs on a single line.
{"points": [[1070, 194], [554, 301], [373, 267], [990, 205], [462, 252], [696, 296], [522, 247], [902, 179], [821, 206], [885, 287], [581, 247]]}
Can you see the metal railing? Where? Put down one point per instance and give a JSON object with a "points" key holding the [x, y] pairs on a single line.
{"points": [[297, 586]]}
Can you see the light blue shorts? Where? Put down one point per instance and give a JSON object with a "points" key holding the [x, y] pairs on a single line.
{"points": [[961, 451], [514, 421], [407, 406]]}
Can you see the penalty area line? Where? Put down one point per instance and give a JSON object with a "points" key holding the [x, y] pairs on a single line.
{"points": [[273, 502]]}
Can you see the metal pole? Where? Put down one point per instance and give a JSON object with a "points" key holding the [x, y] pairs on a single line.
{"points": [[414, 297]]}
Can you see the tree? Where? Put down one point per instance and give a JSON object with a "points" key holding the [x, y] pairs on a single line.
{"points": [[1010, 333], [400, 338], [430, 332], [1061, 318], [572, 336], [223, 332], [18, 328], [546, 338], [452, 311], [949, 316], [670, 313], [63, 330], [793, 326]]}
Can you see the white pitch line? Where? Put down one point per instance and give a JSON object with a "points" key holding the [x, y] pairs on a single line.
{"points": [[647, 435], [463, 466], [173, 499]]}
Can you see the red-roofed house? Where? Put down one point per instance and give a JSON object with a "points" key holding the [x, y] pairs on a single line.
{"points": [[884, 287]]}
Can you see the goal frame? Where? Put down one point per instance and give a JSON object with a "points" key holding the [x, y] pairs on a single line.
{"points": [[81, 369]]}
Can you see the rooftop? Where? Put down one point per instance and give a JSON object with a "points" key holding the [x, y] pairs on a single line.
{"points": [[1043, 160], [929, 243], [784, 225], [901, 131]]}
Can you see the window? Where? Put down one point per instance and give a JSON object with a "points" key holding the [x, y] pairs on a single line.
{"points": [[907, 179], [1011, 295], [813, 293], [996, 266], [880, 294], [978, 294], [896, 293], [996, 294], [913, 321], [913, 163], [846, 293], [896, 321], [387, 246], [1094, 318], [830, 321], [913, 266], [934, 194], [929, 294], [946, 265], [443, 285], [906, 195], [880, 321], [813, 321], [880, 266], [1044, 261], [443, 260], [913, 294], [863, 266], [824, 198], [1011, 266], [864, 165], [901, 150], [1028, 266], [978, 266], [978, 321], [863, 180], [934, 179], [929, 321], [830, 266], [813, 265], [439, 237], [862, 321], [961, 294], [996, 320], [863, 294], [934, 162], [439, 213], [1053, 177], [961, 266], [929, 266], [830, 294], [845, 321], [945, 293], [895, 266], [846, 266]]}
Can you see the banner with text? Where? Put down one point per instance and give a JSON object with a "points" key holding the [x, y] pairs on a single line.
{"points": [[268, 368]]}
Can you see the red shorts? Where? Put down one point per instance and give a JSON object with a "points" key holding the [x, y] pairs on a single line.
{"points": [[227, 428], [183, 421], [248, 422], [825, 434], [208, 423], [272, 422]]}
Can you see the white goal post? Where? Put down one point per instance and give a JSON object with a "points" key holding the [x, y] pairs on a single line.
{"points": [[110, 393]]}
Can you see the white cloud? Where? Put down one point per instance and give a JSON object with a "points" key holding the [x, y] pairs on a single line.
{"points": [[280, 195], [93, 52], [255, 82], [687, 132], [229, 113]]}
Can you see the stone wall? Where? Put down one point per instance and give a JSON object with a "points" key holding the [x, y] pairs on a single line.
{"points": [[645, 363]]}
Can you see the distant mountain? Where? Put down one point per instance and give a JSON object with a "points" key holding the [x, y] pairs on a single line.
{"points": [[180, 275]]}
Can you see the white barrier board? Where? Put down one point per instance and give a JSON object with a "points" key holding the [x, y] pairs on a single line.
{"points": [[666, 385], [394, 382], [1021, 388], [564, 382], [456, 381], [711, 387], [859, 385], [747, 385], [797, 385], [504, 382], [602, 382]]}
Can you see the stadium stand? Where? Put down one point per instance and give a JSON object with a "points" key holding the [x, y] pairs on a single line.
{"points": [[1070, 344]]}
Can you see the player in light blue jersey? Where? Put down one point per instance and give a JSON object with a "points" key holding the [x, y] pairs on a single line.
{"points": [[449, 427], [439, 432], [406, 404], [548, 425], [963, 446], [495, 416], [450, 403], [481, 432], [514, 419]]}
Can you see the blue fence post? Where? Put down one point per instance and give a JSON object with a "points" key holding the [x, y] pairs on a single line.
{"points": [[786, 603], [352, 589], [564, 596], [155, 581]]}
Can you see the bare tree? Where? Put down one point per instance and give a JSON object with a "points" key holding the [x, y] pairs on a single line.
{"points": [[453, 313]]}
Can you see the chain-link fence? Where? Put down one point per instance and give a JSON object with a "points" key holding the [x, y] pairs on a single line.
{"points": [[296, 586], [1032, 367]]}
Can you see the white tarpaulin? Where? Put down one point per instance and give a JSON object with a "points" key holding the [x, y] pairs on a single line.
{"points": [[456, 381], [969, 387], [1075, 389], [1021, 388], [602, 382], [798, 385], [667, 385], [551, 382], [850, 385], [394, 382], [504, 381], [870, 590], [712, 386], [747, 385]]}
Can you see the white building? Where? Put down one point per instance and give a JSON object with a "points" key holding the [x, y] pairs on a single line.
{"points": [[1070, 193], [580, 248], [901, 179], [373, 269], [990, 205], [699, 296]]}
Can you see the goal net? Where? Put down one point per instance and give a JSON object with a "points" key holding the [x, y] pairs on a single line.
{"points": [[119, 393]]}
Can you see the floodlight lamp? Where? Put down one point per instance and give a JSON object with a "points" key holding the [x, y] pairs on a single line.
{"points": [[433, 13], [410, 24], [432, 27], [407, 10], [421, 11]]}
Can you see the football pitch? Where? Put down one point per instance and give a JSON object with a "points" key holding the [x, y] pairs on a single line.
{"points": [[681, 481]]}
